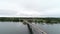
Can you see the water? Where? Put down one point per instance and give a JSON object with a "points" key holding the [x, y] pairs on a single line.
{"points": [[20, 28], [50, 28], [13, 28]]}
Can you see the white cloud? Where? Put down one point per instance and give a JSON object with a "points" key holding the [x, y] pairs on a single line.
{"points": [[30, 7]]}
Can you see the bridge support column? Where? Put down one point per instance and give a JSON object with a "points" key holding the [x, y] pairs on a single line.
{"points": [[30, 29]]}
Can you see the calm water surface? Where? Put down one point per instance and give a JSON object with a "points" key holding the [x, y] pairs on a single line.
{"points": [[50, 28], [20, 28], [13, 28]]}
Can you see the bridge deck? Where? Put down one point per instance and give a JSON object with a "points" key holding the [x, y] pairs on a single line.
{"points": [[35, 28]]}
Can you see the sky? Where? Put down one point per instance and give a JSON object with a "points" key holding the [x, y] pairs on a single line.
{"points": [[29, 8]]}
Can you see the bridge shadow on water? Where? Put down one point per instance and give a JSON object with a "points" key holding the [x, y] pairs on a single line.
{"points": [[30, 29]]}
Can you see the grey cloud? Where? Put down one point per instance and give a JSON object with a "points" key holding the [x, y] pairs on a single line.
{"points": [[7, 12], [44, 7], [40, 5]]}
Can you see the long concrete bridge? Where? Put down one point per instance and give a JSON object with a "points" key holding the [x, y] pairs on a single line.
{"points": [[34, 29]]}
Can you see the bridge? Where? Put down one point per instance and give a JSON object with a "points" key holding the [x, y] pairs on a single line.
{"points": [[34, 29]]}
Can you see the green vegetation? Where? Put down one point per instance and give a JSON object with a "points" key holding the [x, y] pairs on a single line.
{"points": [[20, 19], [9, 19]]}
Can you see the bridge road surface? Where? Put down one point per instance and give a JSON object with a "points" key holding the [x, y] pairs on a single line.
{"points": [[35, 28]]}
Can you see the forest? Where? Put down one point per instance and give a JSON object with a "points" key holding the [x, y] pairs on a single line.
{"points": [[20, 19]]}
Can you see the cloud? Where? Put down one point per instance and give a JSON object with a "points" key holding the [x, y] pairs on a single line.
{"points": [[7, 12], [30, 8]]}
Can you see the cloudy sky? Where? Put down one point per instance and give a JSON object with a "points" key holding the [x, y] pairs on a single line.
{"points": [[30, 8]]}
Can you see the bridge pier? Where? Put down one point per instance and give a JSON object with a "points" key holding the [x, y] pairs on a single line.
{"points": [[30, 29]]}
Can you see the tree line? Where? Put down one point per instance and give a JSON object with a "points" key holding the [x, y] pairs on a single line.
{"points": [[17, 19]]}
